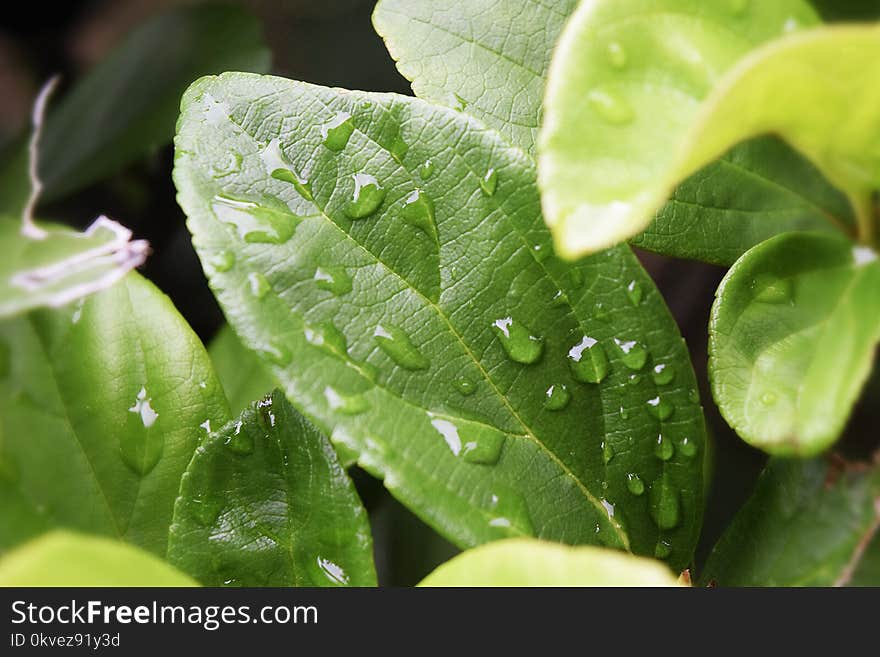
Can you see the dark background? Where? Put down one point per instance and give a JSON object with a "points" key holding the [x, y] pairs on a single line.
{"points": [[329, 42]]}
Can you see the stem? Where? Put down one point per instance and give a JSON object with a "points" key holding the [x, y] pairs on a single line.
{"points": [[865, 219]]}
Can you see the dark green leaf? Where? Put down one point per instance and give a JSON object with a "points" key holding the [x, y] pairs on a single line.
{"points": [[100, 407], [808, 523], [265, 502], [431, 354], [792, 340], [242, 374]]}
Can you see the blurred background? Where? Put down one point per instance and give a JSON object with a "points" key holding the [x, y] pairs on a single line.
{"points": [[133, 54]]}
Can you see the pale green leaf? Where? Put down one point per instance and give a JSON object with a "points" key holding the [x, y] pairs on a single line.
{"points": [[528, 562], [391, 331], [101, 404], [265, 502], [808, 523], [244, 377], [792, 339], [630, 93], [63, 558]]}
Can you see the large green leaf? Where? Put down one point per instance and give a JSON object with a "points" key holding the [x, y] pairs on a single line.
{"points": [[63, 558], [808, 523], [528, 562], [438, 338], [792, 340], [62, 265], [100, 407], [127, 105], [265, 502], [630, 90], [244, 377]]}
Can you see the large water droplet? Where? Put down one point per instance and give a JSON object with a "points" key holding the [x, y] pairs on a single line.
{"points": [[301, 185], [489, 182], [634, 484], [426, 170], [327, 335], [141, 450], [770, 289], [611, 106], [472, 441], [222, 261], [688, 447], [663, 448], [332, 572], [557, 397], [634, 292], [337, 131], [259, 284], [280, 168], [333, 279], [345, 404], [617, 54], [633, 354], [418, 211], [587, 361], [663, 374], [142, 407], [254, 223], [367, 197], [395, 342], [518, 342], [510, 513], [660, 408], [465, 386], [665, 505], [240, 442]]}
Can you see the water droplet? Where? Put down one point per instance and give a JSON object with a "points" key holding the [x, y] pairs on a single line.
{"points": [[336, 131], [240, 442], [688, 447], [624, 414], [426, 170], [663, 374], [231, 164], [617, 55], [395, 342], [143, 408], [768, 398], [460, 103], [266, 412], [633, 355], [634, 379], [418, 211], [465, 386], [472, 441], [607, 452], [694, 396], [557, 397], [540, 252], [142, 450], [489, 182], [327, 335], [367, 197], [206, 425], [611, 107], [259, 284], [663, 448], [559, 300], [345, 404], [587, 361], [78, 311], [223, 261], [301, 185], [609, 508], [254, 223], [634, 292], [634, 484], [333, 572], [333, 279], [665, 505], [518, 342], [600, 312], [398, 148], [510, 513], [660, 408], [277, 354], [663, 549], [771, 289]]}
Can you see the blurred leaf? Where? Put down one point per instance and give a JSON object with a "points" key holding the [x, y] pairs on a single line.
{"points": [[100, 407], [63, 266], [792, 340], [529, 562], [808, 523], [265, 502], [631, 92], [127, 105], [425, 338], [847, 10], [243, 375], [63, 558]]}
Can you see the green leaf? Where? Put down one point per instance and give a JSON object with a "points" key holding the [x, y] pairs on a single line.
{"points": [[100, 407], [63, 558], [265, 502], [807, 524], [792, 339], [488, 58], [127, 105], [244, 377], [632, 90], [59, 265], [430, 353], [528, 562]]}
